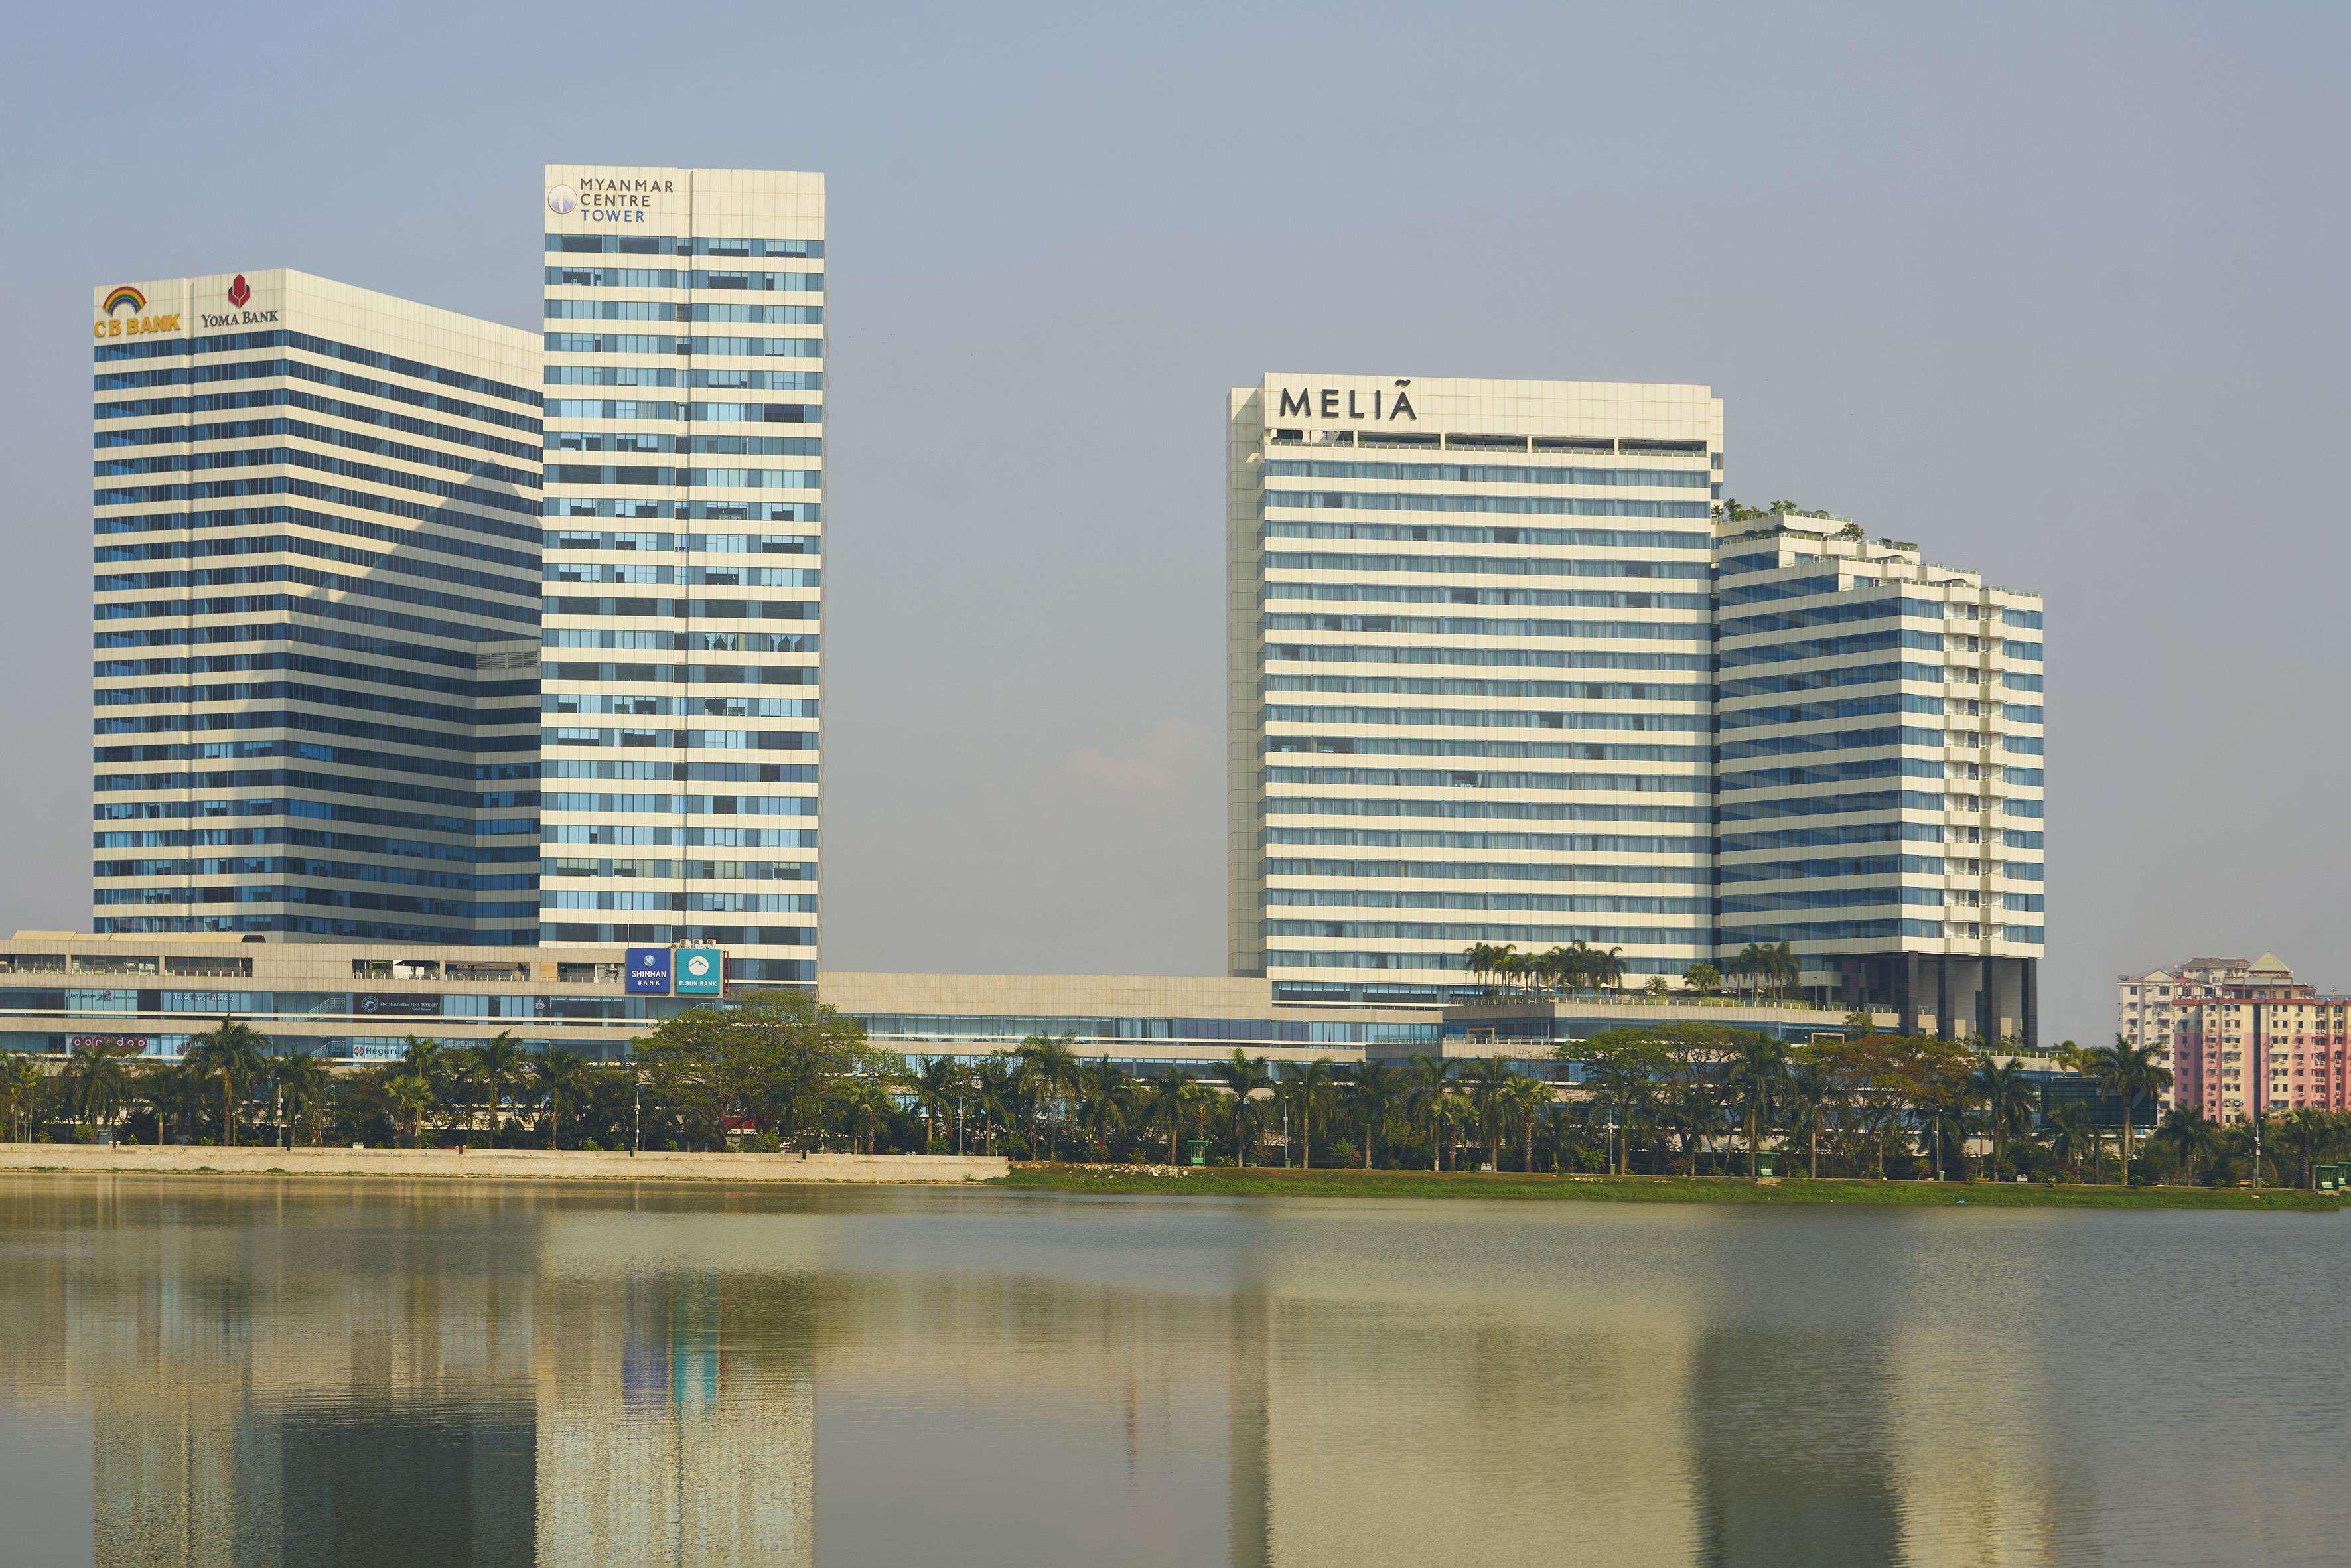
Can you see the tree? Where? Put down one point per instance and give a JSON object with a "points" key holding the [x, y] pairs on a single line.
{"points": [[1244, 1078], [1377, 1088], [302, 1086], [2073, 1132], [2007, 1098], [1702, 978], [23, 1086], [2304, 1131], [1174, 1104], [2127, 1072], [496, 1061], [1107, 1098], [1048, 1070], [229, 1054], [1490, 1082], [774, 1054], [411, 1095], [1756, 1079], [561, 1076], [938, 1085], [1313, 1088], [1528, 1098], [1426, 1084], [1807, 1098], [2190, 1136], [95, 1082], [868, 1098]]}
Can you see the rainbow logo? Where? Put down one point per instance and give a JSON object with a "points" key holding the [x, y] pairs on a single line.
{"points": [[124, 295]]}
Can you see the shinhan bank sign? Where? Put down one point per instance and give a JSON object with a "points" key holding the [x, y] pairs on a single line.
{"points": [[692, 970]]}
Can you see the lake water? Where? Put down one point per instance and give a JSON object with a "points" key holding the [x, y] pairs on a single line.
{"points": [[252, 1372]]}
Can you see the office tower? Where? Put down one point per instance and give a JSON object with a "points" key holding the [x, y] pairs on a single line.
{"points": [[1879, 782], [1470, 667], [317, 527], [684, 349]]}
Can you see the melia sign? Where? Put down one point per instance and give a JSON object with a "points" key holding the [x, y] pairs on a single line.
{"points": [[1350, 402], [647, 972]]}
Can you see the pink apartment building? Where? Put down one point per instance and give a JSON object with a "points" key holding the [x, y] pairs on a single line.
{"points": [[2258, 1043]]}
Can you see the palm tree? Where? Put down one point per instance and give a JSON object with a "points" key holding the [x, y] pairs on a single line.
{"points": [[411, 1095], [230, 1053], [1756, 1079], [935, 1085], [302, 1085], [1490, 1082], [1049, 1069], [1107, 1100], [496, 1061], [95, 1082], [1244, 1078], [1528, 1098], [1606, 969], [1312, 1088], [562, 1074], [1810, 1093], [2127, 1072], [2306, 1129], [2191, 1136], [2072, 1131], [1377, 1087], [1173, 1102], [22, 1088], [2007, 1098], [1426, 1088], [866, 1097]]}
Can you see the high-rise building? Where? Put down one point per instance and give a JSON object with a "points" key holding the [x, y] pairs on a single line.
{"points": [[685, 372], [2148, 1006], [2252, 1040], [1470, 665], [1878, 781], [1501, 672], [317, 528]]}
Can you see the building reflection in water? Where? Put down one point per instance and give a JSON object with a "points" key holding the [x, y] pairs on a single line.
{"points": [[377, 1374]]}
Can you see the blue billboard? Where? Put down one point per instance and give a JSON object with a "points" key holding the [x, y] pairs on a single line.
{"points": [[648, 972]]}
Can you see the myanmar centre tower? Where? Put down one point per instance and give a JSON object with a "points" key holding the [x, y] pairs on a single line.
{"points": [[684, 369], [1469, 669]]}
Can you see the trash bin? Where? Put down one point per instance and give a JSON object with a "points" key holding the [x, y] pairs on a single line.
{"points": [[1195, 1151], [1766, 1163]]}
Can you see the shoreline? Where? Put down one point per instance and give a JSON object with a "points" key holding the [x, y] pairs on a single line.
{"points": [[998, 1174], [499, 1165], [1258, 1181]]}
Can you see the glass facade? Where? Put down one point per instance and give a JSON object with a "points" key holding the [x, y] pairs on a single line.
{"points": [[684, 570], [316, 630]]}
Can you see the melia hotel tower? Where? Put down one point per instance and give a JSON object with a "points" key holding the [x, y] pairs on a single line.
{"points": [[1470, 665], [684, 382]]}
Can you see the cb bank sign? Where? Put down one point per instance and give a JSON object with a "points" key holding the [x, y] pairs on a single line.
{"points": [[688, 971], [123, 313]]}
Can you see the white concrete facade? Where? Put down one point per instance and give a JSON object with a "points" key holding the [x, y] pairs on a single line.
{"points": [[1468, 666], [317, 528], [1880, 774], [684, 352]]}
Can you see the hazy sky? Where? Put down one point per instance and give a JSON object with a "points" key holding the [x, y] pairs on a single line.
{"points": [[2056, 290]]}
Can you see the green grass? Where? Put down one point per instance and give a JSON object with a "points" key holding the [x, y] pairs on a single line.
{"points": [[1223, 1181]]}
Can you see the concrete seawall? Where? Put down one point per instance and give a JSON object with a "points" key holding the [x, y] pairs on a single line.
{"points": [[568, 1164]]}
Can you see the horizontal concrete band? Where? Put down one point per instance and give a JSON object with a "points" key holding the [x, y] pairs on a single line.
{"points": [[519, 1164]]}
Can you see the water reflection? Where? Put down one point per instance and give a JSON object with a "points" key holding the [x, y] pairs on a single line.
{"points": [[370, 1373]]}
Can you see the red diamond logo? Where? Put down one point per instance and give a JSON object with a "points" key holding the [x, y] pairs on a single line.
{"points": [[237, 291]]}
